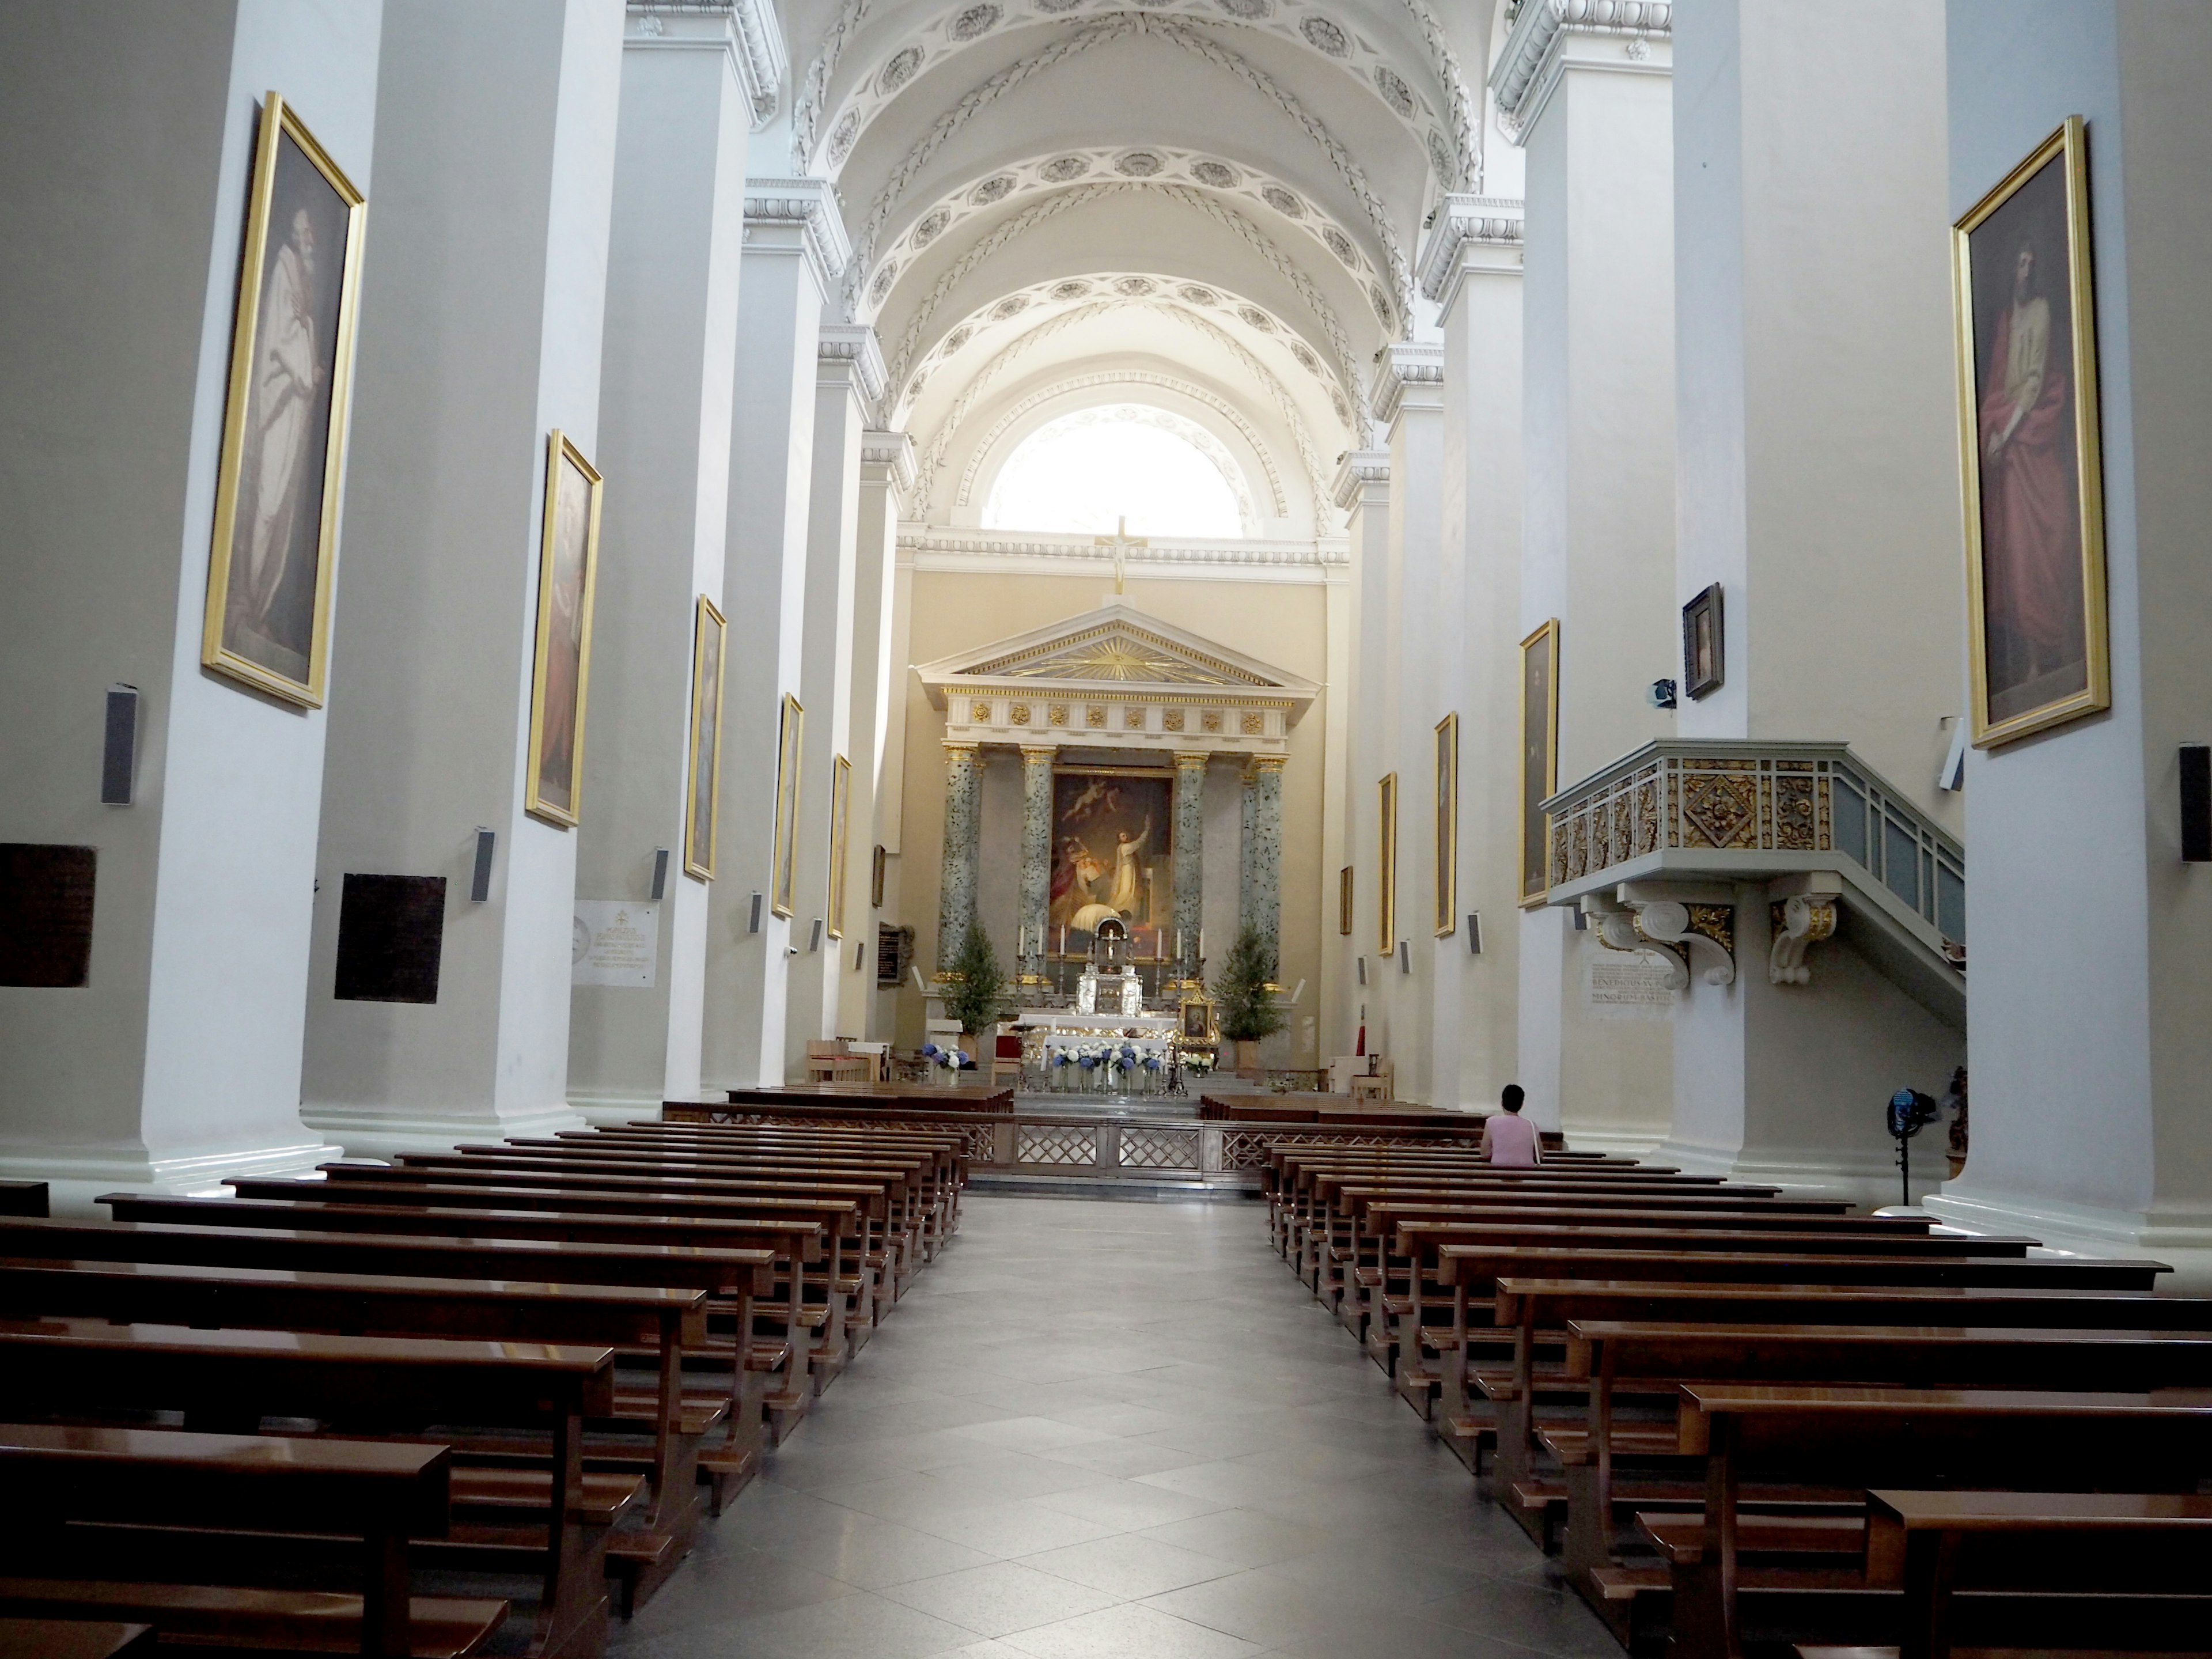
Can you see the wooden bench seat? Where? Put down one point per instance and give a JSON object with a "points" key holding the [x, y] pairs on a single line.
{"points": [[74, 1638]]}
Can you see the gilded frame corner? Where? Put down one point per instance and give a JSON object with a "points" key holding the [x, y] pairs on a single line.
{"points": [[278, 121], [1545, 637], [2069, 143], [559, 447], [708, 626]]}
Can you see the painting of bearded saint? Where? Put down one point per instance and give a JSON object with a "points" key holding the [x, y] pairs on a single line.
{"points": [[567, 567], [1110, 855], [2032, 466], [277, 500]]}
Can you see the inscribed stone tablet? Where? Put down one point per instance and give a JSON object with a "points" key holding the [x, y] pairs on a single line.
{"points": [[616, 943], [1626, 985], [45, 913], [392, 930]]}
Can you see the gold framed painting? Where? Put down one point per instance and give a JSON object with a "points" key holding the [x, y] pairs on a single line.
{"points": [[782, 878], [876, 878], [1447, 850], [267, 624], [1344, 901], [1386, 891], [2030, 468], [709, 638], [1540, 756], [841, 803], [568, 576]]}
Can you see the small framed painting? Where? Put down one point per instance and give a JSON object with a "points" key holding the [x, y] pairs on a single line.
{"points": [[1540, 756], [267, 624], [875, 878], [2028, 447], [1386, 891], [782, 878], [841, 803], [1344, 901], [709, 634], [567, 571], [1704, 645], [1198, 1021], [1447, 848]]}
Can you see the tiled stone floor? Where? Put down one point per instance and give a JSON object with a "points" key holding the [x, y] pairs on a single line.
{"points": [[1112, 1431]]}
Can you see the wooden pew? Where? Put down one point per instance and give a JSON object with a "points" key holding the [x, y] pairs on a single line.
{"points": [[1879, 1438], [798, 1244], [228, 1380], [22, 1198], [74, 1638], [76, 1494], [1938, 1544]]}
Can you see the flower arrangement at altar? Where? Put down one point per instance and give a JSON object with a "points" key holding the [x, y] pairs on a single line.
{"points": [[1198, 1059], [951, 1058]]}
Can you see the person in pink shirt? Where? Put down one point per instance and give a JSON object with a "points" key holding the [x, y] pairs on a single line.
{"points": [[1510, 1137]]}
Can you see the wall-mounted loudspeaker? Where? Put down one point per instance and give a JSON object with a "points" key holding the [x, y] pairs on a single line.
{"points": [[1405, 957], [119, 756], [1362, 969], [1473, 934], [753, 925], [814, 937], [480, 877], [2196, 803], [659, 873]]}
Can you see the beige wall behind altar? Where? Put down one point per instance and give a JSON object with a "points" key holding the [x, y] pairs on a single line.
{"points": [[1284, 623]]}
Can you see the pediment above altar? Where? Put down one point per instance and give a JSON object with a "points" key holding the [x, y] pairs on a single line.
{"points": [[1115, 676]]}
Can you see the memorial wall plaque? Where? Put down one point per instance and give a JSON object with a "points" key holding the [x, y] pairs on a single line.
{"points": [[45, 913], [390, 931]]}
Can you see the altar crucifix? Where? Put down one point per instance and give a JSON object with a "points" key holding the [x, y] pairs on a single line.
{"points": [[1121, 541]]}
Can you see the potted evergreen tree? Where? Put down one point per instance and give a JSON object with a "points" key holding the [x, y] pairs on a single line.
{"points": [[1246, 1004], [976, 997]]}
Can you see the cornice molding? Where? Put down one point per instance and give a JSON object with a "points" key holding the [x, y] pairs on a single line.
{"points": [[1362, 476], [1636, 37], [893, 454], [809, 208], [1409, 374], [746, 29], [927, 546], [1470, 233], [855, 346]]}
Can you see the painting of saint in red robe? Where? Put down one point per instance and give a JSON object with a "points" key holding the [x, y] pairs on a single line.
{"points": [[2035, 592], [564, 633]]}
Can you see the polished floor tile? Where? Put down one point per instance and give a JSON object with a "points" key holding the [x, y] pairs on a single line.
{"points": [[1100, 1430]]}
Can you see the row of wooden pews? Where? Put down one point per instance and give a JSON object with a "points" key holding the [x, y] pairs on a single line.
{"points": [[1749, 1421], [353, 1413]]}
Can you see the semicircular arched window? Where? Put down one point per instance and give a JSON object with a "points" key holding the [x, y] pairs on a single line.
{"points": [[1083, 473]]}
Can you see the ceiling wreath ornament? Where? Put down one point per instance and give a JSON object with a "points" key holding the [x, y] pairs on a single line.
{"points": [[907, 385], [1120, 26]]}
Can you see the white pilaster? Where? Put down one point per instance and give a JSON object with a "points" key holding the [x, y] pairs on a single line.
{"points": [[879, 677], [457, 384], [178, 1062], [670, 362], [1361, 490], [794, 248], [1590, 102]]}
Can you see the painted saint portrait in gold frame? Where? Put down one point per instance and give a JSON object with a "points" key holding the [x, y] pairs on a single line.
{"points": [[1540, 756], [1447, 848], [840, 807], [1386, 891], [568, 574], [708, 633], [783, 877], [283, 431]]}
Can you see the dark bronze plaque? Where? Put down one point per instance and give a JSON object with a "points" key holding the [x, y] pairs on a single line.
{"points": [[391, 930], [45, 913]]}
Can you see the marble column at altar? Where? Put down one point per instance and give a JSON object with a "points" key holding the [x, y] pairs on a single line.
{"points": [[1036, 863], [963, 822], [1190, 861], [1263, 911]]}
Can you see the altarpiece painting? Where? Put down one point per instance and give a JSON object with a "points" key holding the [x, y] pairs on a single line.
{"points": [[1112, 855]]}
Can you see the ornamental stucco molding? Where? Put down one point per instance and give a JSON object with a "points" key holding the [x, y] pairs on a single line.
{"points": [[1627, 36], [854, 344], [807, 207], [893, 451], [1361, 474], [930, 543], [746, 29], [1470, 233], [1409, 374]]}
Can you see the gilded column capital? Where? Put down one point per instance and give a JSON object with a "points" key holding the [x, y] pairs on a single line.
{"points": [[1042, 751], [961, 746], [1191, 757], [1268, 763]]}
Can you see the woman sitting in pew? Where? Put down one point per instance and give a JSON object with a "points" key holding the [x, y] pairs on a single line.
{"points": [[1510, 1137]]}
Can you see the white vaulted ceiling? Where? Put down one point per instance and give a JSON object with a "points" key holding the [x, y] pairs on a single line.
{"points": [[1207, 206]]}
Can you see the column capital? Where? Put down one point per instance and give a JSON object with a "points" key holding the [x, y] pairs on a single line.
{"points": [[1410, 374], [957, 746], [1040, 752], [745, 29], [1633, 37], [848, 353], [1363, 477], [1197, 757], [1471, 235], [800, 215], [1262, 764], [887, 457]]}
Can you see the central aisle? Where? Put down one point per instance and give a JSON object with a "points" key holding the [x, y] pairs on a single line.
{"points": [[1120, 1430]]}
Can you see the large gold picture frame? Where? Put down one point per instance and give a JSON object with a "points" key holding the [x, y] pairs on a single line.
{"points": [[277, 482], [783, 879], [1344, 901], [2031, 473], [709, 638], [1447, 848], [567, 578], [1386, 891], [840, 807], [1540, 756]]}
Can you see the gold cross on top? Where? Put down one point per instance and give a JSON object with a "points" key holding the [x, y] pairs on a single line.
{"points": [[1121, 541]]}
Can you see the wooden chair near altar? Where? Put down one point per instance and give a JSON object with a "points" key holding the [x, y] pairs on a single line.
{"points": [[831, 1061]]}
